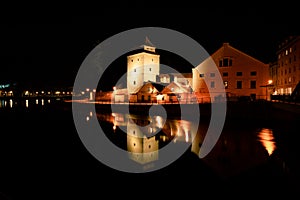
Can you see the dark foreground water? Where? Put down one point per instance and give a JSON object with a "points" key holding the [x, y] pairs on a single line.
{"points": [[42, 156]]}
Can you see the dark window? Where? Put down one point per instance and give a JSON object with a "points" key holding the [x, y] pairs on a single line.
{"points": [[239, 73], [134, 70], [134, 82], [212, 75], [150, 69], [225, 62], [201, 75], [239, 84], [253, 73], [253, 84], [225, 73], [212, 84], [230, 62]]}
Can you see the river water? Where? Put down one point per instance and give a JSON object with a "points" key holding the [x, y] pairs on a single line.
{"points": [[42, 155]]}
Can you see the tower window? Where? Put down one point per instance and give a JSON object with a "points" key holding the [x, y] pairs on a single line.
{"points": [[134, 82], [149, 69]]}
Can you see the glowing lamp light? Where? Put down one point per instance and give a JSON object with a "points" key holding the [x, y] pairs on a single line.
{"points": [[270, 82]]}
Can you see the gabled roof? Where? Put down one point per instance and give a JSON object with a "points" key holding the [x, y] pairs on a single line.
{"points": [[228, 50], [158, 86], [182, 88]]}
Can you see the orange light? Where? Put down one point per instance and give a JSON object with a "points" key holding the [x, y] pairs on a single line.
{"points": [[270, 81]]}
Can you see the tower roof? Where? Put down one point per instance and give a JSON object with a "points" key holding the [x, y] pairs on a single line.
{"points": [[148, 45]]}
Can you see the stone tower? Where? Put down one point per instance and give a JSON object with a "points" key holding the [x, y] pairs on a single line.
{"points": [[142, 67]]}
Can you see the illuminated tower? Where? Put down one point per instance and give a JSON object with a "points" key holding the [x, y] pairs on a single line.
{"points": [[142, 67]]}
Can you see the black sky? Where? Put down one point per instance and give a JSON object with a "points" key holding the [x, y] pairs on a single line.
{"points": [[50, 49]]}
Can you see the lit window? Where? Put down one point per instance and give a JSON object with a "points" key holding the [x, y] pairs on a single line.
{"points": [[286, 52]]}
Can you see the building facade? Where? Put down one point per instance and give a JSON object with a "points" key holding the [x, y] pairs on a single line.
{"points": [[241, 76], [286, 72]]}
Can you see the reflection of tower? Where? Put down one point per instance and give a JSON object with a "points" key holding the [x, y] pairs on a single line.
{"points": [[142, 67], [141, 149]]}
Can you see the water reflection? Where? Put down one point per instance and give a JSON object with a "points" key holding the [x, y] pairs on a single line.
{"points": [[237, 149], [27, 103], [265, 136]]}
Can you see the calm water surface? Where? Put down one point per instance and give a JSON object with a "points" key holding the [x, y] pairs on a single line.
{"points": [[42, 154]]}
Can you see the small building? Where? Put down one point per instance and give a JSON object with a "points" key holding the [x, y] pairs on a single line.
{"points": [[175, 93], [147, 93]]}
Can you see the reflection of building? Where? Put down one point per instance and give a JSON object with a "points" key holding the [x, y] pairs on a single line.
{"points": [[142, 144], [142, 149], [233, 153], [146, 135], [286, 72], [242, 74]]}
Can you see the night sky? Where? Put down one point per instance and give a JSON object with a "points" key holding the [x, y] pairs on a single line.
{"points": [[48, 50]]}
